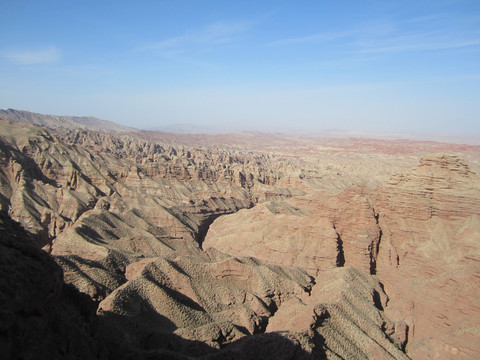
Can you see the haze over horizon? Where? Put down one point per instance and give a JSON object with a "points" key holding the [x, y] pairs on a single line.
{"points": [[374, 66]]}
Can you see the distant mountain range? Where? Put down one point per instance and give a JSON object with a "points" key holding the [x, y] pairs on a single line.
{"points": [[202, 135], [187, 129], [55, 121]]}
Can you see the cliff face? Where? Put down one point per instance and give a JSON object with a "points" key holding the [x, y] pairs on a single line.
{"points": [[220, 251], [429, 255], [418, 233]]}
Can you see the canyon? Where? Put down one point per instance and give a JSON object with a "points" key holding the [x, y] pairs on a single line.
{"points": [[118, 243]]}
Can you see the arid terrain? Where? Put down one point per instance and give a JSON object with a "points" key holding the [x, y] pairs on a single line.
{"points": [[122, 244]]}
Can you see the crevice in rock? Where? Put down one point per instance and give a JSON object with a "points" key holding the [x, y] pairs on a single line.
{"points": [[201, 233], [383, 289], [374, 252], [308, 289], [204, 227], [272, 308], [262, 325], [377, 301], [340, 261], [405, 343]]}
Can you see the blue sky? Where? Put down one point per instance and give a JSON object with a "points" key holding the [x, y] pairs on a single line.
{"points": [[374, 66]]}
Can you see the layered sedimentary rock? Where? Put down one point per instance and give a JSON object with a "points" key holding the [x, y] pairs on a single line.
{"points": [[99, 207], [189, 300], [316, 231], [429, 255], [288, 249], [418, 232], [344, 309]]}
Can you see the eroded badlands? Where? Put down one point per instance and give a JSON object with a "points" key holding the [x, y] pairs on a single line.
{"points": [[244, 246]]}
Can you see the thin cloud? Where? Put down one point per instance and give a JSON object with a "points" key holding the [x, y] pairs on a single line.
{"points": [[435, 32], [328, 36], [48, 55], [401, 48], [315, 38], [418, 42], [216, 34], [426, 18]]}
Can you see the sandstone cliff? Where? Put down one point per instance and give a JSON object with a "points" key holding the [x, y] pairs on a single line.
{"points": [[418, 233]]}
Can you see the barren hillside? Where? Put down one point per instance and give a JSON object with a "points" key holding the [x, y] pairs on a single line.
{"points": [[242, 246]]}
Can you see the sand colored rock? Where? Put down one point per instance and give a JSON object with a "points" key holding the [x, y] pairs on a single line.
{"points": [[418, 233], [316, 231], [344, 309], [428, 257], [278, 232], [252, 246], [212, 302]]}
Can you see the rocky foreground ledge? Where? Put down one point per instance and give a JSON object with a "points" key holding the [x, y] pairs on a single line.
{"points": [[155, 250]]}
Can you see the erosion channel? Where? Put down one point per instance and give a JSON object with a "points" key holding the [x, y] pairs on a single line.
{"points": [[246, 248]]}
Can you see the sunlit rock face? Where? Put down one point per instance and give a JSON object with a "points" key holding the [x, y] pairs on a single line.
{"points": [[418, 232], [247, 246], [429, 255]]}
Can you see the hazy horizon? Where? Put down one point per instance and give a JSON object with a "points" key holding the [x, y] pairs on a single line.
{"points": [[372, 67]]}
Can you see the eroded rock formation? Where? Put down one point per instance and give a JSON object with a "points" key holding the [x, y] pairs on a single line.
{"points": [[218, 251], [429, 255], [418, 233]]}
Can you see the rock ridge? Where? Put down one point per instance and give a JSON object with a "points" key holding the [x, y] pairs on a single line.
{"points": [[218, 251]]}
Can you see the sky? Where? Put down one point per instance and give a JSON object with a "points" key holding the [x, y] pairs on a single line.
{"points": [[372, 66]]}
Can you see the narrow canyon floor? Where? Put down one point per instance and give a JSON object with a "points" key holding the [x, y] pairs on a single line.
{"points": [[123, 244]]}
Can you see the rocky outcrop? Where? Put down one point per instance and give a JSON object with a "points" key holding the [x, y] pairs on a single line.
{"points": [[429, 255], [98, 202], [315, 232], [281, 250], [418, 232], [199, 301], [344, 309]]}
